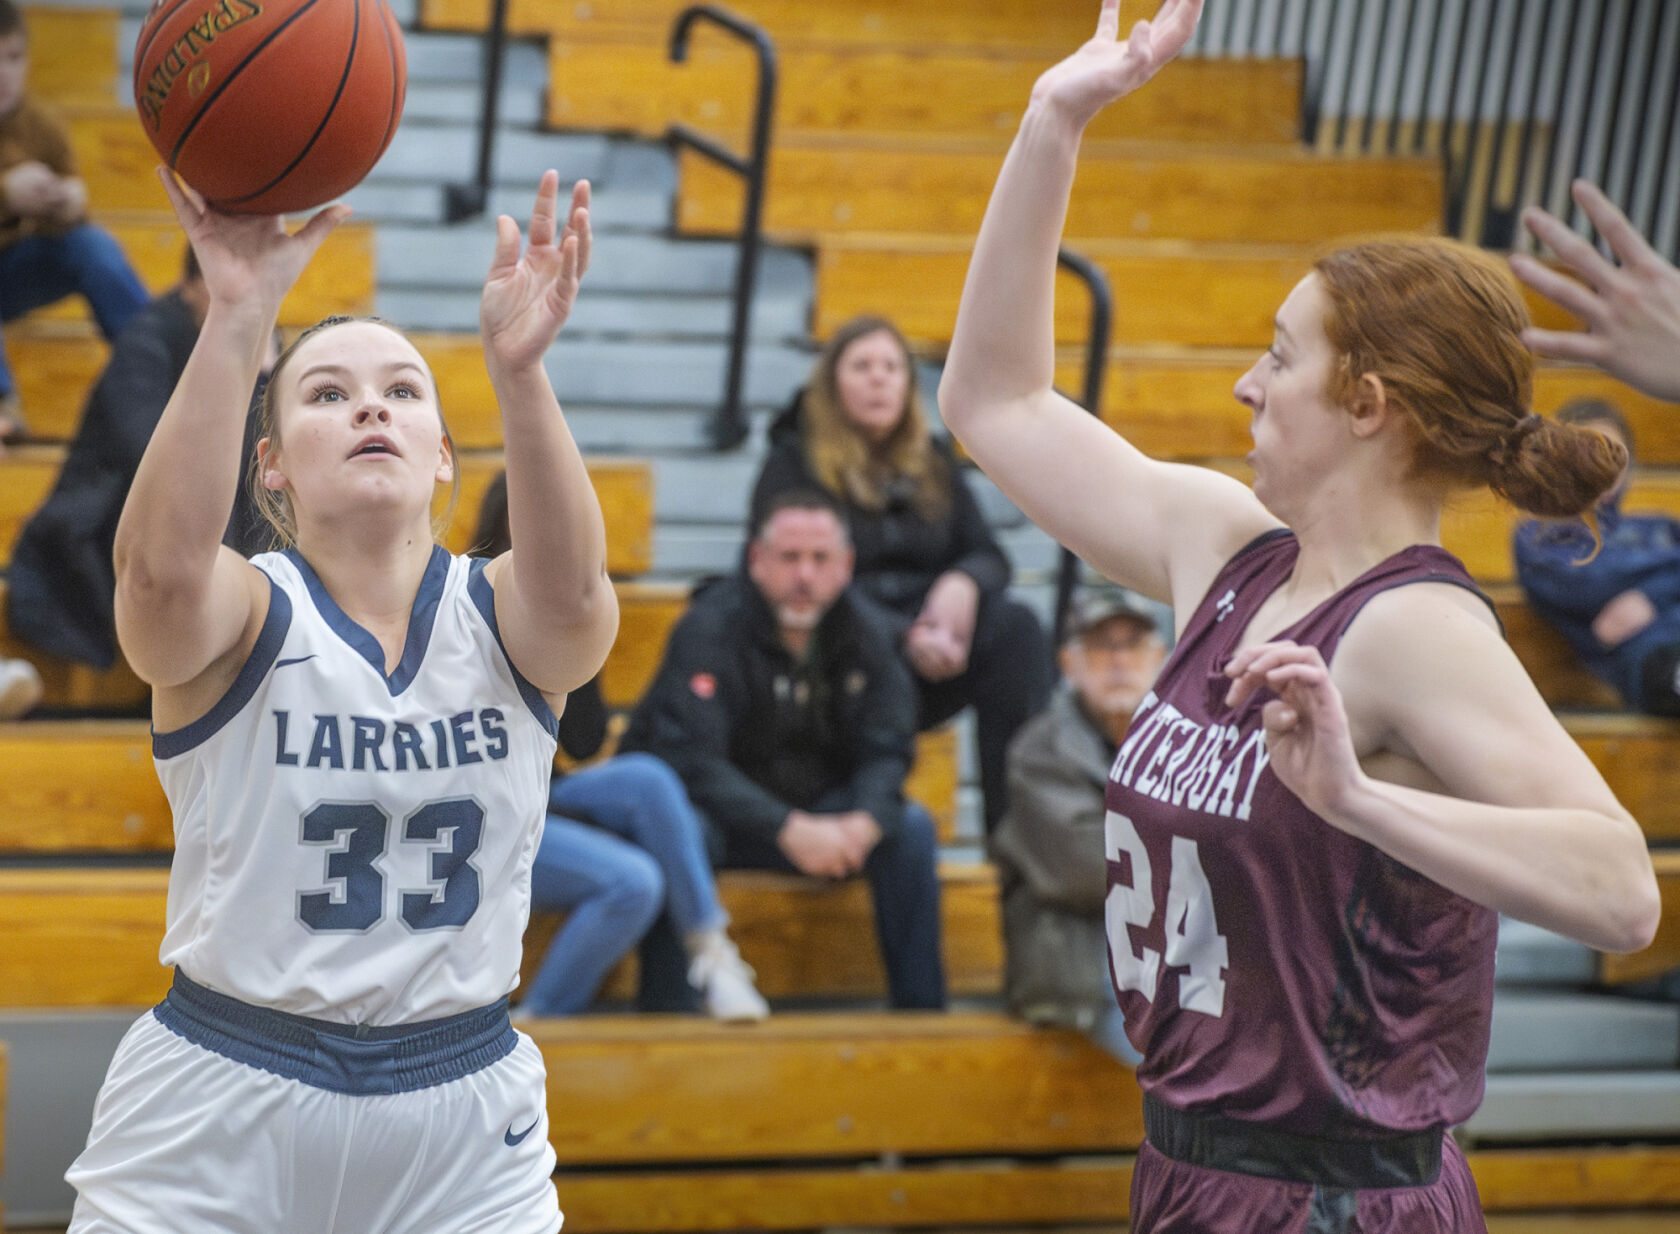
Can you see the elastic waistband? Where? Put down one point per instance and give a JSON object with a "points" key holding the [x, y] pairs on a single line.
{"points": [[358, 1060], [1220, 1143]]}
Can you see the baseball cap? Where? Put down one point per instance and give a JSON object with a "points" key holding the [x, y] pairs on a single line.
{"points": [[1094, 604]]}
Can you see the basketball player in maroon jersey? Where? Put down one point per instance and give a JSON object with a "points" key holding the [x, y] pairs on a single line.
{"points": [[1343, 775]]}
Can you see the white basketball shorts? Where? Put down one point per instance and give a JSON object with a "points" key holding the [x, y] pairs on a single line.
{"points": [[185, 1139]]}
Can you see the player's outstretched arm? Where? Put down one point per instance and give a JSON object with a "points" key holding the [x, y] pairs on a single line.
{"points": [[183, 600], [1127, 515], [1516, 817], [1631, 307], [555, 606]]}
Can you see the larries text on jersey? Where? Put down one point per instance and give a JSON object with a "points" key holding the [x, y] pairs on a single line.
{"points": [[365, 743]]}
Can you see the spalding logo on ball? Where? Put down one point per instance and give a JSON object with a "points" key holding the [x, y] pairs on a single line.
{"points": [[270, 106]]}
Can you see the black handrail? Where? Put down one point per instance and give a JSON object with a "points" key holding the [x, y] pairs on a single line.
{"points": [[1096, 365], [729, 425], [464, 201]]}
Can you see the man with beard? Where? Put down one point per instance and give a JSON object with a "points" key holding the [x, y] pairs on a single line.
{"points": [[1049, 846], [790, 717]]}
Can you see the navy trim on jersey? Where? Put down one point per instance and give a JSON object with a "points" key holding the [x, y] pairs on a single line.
{"points": [[358, 1060], [484, 599], [420, 619], [262, 657]]}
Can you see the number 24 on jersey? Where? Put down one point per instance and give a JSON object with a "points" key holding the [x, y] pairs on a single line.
{"points": [[1194, 942]]}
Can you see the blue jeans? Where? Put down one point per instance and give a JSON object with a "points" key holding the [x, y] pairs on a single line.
{"points": [[641, 850], [903, 875], [41, 270]]}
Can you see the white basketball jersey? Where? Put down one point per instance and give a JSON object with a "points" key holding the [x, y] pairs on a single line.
{"points": [[353, 846]]}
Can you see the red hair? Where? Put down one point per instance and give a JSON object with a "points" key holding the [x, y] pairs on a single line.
{"points": [[1440, 324]]}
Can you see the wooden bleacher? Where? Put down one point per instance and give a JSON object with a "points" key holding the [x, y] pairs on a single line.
{"points": [[624, 487], [929, 94], [1170, 192], [844, 1117], [339, 280], [982, 26], [1188, 294]]}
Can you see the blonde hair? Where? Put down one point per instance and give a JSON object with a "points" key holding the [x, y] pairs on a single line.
{"points": [[275, 506], [847, 465]]}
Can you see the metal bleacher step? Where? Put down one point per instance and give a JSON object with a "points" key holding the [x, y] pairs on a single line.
{"points": [[456, 257], [604, 313], [59, 1060], [668, 373], [1532, 956], [1578, 1106], [1535, 1030]]}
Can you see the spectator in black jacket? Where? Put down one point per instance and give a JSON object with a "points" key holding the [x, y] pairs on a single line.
{"points": [[62, 584], [925, 556], [785, 709]]}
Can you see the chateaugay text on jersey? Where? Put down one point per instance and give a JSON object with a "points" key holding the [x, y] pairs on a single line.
{"points": [[363, 743], [1211, 768]]}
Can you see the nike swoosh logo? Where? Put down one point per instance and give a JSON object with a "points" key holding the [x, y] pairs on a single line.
{"points": [[279, 664], [512, 1140]]}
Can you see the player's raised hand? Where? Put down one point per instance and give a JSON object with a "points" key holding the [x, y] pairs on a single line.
{"points": [[1109, 67], [247, 257], [1307, 733], [528, 297], [1631, 307]]}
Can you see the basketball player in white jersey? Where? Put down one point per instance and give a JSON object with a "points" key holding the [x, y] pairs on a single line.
{"points": [[355, 735]]}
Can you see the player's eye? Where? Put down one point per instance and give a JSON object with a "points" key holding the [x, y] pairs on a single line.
{"points": [[404, 390], [326, 393]]}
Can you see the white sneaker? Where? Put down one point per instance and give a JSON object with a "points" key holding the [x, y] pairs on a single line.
{"points": [[20, 688], [725, 982]]}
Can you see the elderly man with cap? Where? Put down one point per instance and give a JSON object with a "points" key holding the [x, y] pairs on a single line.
{"points": [[1049, 845]]}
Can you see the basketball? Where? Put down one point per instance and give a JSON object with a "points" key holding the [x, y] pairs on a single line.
{"points": [[270, 106]]}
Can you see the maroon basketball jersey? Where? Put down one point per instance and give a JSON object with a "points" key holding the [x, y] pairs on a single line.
{"points": [[1271, 967]]}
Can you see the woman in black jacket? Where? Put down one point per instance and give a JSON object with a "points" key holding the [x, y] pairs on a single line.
{"points": [[925, 556]]}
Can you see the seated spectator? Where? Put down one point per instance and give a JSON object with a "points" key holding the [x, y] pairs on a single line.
{"points": [[1618, 607], [925, 556], [1049, 847], [48, 249], [789, 716], [62, 584], [621, 843]]}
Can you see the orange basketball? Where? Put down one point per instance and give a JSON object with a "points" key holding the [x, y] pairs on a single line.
{"points": [[270, 106]]}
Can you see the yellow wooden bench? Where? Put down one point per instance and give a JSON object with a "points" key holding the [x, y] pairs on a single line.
{"points": [[1123, 191], [1176, 293], [57, 361], [1003, 25], [1663, 955], [1177, 402], [339, 279], [624, 487], [956, 1120], [646, 613], [629, 84], [87, 936], [115, 158], [73, 53], [89, 786], [807, 938]]}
